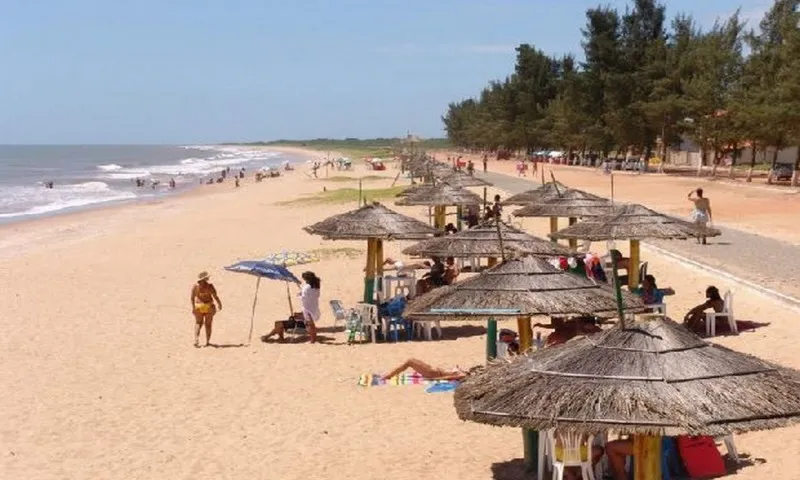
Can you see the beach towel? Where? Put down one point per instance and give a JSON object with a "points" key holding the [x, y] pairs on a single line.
{"points": [[376, 379]]}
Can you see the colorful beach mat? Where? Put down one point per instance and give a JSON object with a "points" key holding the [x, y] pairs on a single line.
{"points": [[376, 379]]}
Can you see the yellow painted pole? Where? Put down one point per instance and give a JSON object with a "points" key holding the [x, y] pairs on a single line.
{"points": [[525, 333], [573, 242], [633, 271], [369, 272], [646, 457], [554, 226], [530, 438], [379, 267]]}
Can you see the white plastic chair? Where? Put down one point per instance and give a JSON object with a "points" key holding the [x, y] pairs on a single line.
{"points": [[658, 308], [727, 311], [340, 314], [425, 327], [369, 319], [572, 445], [733, 454]]}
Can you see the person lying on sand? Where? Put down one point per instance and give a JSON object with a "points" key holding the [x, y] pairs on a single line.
{"points": [[566, 330], [427, 371]]}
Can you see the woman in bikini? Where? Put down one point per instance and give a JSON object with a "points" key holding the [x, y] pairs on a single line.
{"points": [[701, 214], [203, 297], [428, 372]]}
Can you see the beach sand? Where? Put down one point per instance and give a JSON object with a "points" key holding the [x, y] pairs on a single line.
{"points": [[101, 381]]}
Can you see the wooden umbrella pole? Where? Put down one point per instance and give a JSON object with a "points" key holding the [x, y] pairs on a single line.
{"points": [[369, 272], [573, 242], [554, 226], [253, 313], [530, 438], [633, 267], [646, 457], [379, 269], [491, 339], [618, 292], [289, 298]]}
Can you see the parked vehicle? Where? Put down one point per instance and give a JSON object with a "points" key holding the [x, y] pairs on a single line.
{"points": [[781, 173]]}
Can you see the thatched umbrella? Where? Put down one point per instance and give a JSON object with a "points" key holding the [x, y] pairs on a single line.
{"points": [[536, 195], [482, 241], [521, 287], [573, 204], [460, 180], [440, 196], [634, 222], [654, 377], [374, 223], [558, 194]]}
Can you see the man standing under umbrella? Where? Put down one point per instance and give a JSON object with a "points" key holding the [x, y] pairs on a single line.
{"points": [[203, 297]]}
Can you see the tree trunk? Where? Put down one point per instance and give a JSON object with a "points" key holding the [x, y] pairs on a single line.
{"points": [[796, 168], [752, 164], [702, 160], [734, 157], [715, 164], [772, 166]]}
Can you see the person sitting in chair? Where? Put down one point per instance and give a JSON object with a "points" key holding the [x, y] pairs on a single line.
{"points": [[695, 318], [451, 271], [509, 337], [433, 279]]}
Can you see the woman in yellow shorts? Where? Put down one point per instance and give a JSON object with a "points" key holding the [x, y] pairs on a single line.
{"points": [[203, 297]]}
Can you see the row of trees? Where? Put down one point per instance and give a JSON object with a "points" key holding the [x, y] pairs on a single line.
{"points": [[645, 83]]}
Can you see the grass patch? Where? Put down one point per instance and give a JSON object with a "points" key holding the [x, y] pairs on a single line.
{"points": [[333, 252], [344, 178], [344, 195]]}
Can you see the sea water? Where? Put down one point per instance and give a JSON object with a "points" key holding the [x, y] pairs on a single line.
{"points": [[93, 175]]}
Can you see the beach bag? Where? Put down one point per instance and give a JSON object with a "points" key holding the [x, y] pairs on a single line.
{"points": [[700, 456]]}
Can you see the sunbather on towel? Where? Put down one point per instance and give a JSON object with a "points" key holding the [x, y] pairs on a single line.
{"points": [[427, 371]]}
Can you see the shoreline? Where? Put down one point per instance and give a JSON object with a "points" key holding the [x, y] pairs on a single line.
{"points": [[27, 225]]}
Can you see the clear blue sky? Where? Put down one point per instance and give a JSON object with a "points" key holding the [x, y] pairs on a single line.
{"points": [[192, 71]]}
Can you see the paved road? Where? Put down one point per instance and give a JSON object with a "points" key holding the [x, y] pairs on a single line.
{"points": [[761, 260]]}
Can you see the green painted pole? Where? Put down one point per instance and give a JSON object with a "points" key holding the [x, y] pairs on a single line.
{"points": [[491, 339], [530, 445]]}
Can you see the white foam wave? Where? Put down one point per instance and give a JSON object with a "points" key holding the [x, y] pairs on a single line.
{"points": [[36, 200], [111, 167], [193, 166]]}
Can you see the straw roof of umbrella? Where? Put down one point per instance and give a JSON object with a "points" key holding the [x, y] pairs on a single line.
{"points": [[459, 179], [520, 287], [634, 222], [564, 207], [655, 377], [441, 194], [482, 241], [371, 221], [536, 195]]}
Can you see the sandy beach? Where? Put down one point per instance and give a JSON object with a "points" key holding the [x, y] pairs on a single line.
{"points": [[101, 379]]}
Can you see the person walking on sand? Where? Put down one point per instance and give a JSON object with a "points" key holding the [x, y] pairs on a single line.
{"points": [[701, 215], [203, 297], [485, 163]]}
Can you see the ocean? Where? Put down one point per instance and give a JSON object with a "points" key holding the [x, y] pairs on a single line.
{"points": [[93, 175]]}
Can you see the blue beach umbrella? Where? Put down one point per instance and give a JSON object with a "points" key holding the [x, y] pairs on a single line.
{"points": [[261, 269]]}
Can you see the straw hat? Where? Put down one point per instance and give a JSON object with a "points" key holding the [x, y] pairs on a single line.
{"points": [[203, 276]]}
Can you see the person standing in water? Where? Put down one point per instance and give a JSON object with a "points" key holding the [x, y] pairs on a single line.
{"points": [[203, 297], [701, 215]]}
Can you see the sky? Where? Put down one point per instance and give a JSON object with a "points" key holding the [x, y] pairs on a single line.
{"points": [[189, 71]]}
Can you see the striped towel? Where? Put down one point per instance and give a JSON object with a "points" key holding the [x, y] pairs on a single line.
{"points": [[376, 379]]}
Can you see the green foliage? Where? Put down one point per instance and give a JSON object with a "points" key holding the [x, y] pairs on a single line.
{"points": [[344, 195], [354, 147], [645, 83]]}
